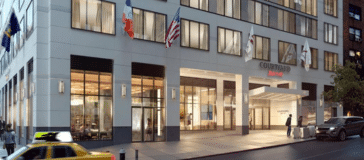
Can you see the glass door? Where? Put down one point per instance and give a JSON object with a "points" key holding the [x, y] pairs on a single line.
{"points": [[258, 118], [266, 118], [251, 118], [227, 118], [137, 124], [148, 121]]}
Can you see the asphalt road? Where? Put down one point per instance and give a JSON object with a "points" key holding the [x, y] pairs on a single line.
{"points": [[352, 148]]}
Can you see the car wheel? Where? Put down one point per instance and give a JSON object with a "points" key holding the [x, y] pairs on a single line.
{"points": [[342, 136], [362, 133]]}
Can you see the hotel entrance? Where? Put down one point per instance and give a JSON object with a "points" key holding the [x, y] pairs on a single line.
{"points": [[259, 118]]}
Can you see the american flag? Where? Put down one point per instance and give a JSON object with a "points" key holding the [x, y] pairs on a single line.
{"points": [[173, 30]]}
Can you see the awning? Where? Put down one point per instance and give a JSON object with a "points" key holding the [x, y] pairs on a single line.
{"points": [[279, 94]]}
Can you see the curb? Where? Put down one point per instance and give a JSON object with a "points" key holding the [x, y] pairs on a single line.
{"points": [[254, 149]]}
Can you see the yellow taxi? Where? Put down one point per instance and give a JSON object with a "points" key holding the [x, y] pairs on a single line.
{"points": [[56, 145]]}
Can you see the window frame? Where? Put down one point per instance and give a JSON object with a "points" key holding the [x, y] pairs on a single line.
{"points": [[333, 14], [333, 61], [337, 34], [29, 33], [114, 34], [269, 51], [189, 6], [279, 61], [354, 40], [155, 13], [189, 36], [294, 6], [355, 7], [268, 26], [218, 39], [20, 4], [311, 66]]}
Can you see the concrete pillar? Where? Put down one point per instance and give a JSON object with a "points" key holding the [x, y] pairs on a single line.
{"points": [[340, 110], [239, 100], [172, 79], [245, 106], [320, 108], [220, 103]]}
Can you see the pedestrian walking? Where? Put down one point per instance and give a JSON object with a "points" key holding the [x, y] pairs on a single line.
{"points": [[9, 136], [299, 122], [288, 124]]}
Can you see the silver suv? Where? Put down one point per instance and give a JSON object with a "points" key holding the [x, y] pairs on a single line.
{"points": [[341, 127]]}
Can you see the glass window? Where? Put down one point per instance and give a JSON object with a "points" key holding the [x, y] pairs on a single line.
{"points": [[91, 105], [21, 33], [355, 12], [229, 41], [21, 2], [314, 58], [93, 15], [30, 19], [287, 53], [248, 10], [355, 34], [199, 4], [62, 151], [195, 35], [330, 7], [35, 153], [305, 6], [262, 48], [331, 60], [273, 17], [330, 33], [149, 26]]}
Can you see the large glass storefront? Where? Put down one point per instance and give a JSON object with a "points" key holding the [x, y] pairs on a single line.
{"points": [[197, 104], [259, 114], [91, 99], [148, 109], [30, 100]]}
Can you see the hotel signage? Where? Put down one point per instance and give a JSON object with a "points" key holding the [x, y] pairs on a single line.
{"points": [[274, 69]]}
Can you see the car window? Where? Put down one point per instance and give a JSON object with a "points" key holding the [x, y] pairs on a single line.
{"points": [[357, 119], [335, 121], [35, 153], [63, 151]]}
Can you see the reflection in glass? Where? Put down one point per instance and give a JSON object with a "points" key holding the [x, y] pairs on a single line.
{"points": [[77, 117], [194, 35], [94, 16], [108, 19], [136, 124], [138, 23], [185, 33], [149, 26]]}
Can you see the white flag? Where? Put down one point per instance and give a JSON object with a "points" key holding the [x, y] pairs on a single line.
{"points": [[306, 56], [289, 54], [250, 46]]}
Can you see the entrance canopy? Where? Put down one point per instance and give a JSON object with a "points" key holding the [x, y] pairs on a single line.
{"points": [[279, 94]]}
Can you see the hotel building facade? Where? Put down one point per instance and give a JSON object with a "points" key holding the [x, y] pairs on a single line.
{"points": [[72, 68]]}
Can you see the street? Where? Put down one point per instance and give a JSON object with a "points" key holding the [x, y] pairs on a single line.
{"points": [[352, 148]]}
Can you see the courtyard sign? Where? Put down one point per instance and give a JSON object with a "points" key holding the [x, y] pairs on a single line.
{"points": [[274, 69]]}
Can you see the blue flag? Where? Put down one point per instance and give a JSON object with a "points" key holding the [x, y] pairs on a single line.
{"points": [[12, 29]]}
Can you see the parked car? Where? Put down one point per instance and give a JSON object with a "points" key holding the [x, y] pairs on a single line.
{"points": [[55, 145], [341, 127]]}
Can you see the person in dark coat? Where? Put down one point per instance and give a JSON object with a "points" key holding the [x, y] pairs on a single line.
{"points": [[9, 137], [299, 121], [288, 124]]}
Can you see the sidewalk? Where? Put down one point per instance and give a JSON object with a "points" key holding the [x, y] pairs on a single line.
{"points": [[3, 152], [200, 144]]}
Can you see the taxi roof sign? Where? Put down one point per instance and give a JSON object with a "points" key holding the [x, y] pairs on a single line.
{"points": [[49, 136]]}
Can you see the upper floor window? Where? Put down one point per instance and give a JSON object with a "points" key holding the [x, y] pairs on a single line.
{"points": [[229, 8], [149, 26], [305, 6], [354, 12], [199, 4], [355, 34], [331, 33], [287, 53], [21, 2], [355, 56], [314, 58], [262, 48], [30, 19], [306, 26], [330, 7], [194, 34], [331, 60], [94, 15], [229, 41]]}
